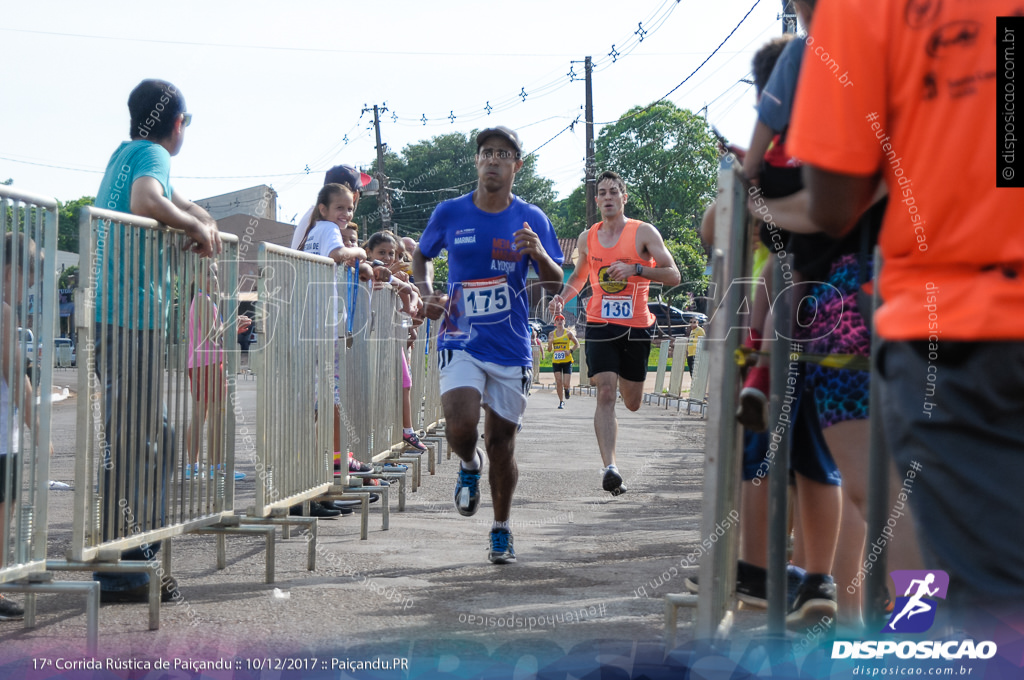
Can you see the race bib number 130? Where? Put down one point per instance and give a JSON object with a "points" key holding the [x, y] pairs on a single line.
{"points": [[484, 297], [617, 307]]}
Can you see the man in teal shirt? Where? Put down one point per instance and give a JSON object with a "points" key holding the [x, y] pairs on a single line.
{"points": [[133, 272]]}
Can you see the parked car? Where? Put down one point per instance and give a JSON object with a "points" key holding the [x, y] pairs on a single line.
{"points": [[673, 321], [58, 344], [29, 350], [542, 327]]}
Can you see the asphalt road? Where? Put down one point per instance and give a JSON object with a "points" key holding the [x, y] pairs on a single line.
{"points": [[424, 586]]}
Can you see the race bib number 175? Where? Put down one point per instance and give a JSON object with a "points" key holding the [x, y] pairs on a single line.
{"points": [[484, 297]]}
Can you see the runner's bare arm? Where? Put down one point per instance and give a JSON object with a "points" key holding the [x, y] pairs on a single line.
{"points": [[578, 279], [648, 240]]}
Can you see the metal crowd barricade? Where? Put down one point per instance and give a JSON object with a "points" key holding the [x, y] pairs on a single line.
{"points": [[155, 445], [717, 574], [293, 447], [433, 413], [722, 453], [419, 359], [371, 393], [659, 381], [28, 252], [384, 339], [699, 379], [722, 459]]}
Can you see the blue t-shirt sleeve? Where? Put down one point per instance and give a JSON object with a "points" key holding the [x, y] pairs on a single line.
{"points": [[540, 223], [776, 105], [152, 160], [434, 238]]}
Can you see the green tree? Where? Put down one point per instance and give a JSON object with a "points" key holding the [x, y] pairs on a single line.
{"points": [[667, 157], [690, 258], [569, 215], [67, 223], [68, 276]]}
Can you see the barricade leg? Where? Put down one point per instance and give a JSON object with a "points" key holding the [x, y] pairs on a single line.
{"points": [[414, 462], [286, 522], [401, 478], [119, 567], [268, 532], [91, 589], [358, 493], [672, 604]]}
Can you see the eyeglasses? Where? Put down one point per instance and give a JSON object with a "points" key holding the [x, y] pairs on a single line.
{"points": [[186, 119], [502, 154]]}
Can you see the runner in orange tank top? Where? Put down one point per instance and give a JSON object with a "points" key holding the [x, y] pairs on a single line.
{"points": [[620, 257]]}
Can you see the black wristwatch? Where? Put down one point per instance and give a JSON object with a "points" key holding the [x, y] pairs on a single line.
{"points": [[639, 270]]}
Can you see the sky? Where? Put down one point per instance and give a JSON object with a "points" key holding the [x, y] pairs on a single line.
{"points": [[277, 90]]}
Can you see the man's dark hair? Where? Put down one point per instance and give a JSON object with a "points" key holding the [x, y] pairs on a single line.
{"points": [[614, 177], [765, 58], [154, 106]]}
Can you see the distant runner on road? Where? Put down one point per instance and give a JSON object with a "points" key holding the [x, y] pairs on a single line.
{"points": [[620, 257], [561, 343]]}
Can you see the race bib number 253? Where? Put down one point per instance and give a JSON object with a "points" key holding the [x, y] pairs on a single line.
{"points": [[484, 297]]}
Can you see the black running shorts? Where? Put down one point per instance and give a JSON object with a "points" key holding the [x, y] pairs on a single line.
{"points": [[618, 349]]}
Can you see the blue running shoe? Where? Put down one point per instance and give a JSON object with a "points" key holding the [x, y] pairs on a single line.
{"points": [[501, 547], [467, 489]]}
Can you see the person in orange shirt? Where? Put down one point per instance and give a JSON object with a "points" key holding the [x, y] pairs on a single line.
{"points": [[620, 257], [921, 116]]}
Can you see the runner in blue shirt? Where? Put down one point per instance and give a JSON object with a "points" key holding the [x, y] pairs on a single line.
{"points": [[492, 238]]}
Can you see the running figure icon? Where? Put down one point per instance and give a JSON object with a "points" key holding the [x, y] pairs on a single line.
{"points": [[914, 604]]}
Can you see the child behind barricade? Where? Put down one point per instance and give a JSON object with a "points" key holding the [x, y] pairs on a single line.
{"points": [[350, 237], [383, 247], [811, 593], [14, 383], [206, 377], [331, 215], [832, 318]]}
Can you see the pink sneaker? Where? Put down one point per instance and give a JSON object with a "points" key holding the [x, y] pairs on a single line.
{"points": [[358, 469], [412, 441]]}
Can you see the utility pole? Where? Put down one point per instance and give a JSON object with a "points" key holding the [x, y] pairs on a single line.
{"points": [[383, 196], [788, 17], [591, 167]]}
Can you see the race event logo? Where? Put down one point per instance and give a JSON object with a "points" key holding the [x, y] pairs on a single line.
{"points": [[609, 285], [914, 611]]}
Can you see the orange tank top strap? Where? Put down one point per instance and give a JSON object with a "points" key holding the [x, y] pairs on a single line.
{"points": [[623, 303]]}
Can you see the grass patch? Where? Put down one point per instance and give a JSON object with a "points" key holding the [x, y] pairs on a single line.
{"points": [[652, 361]]}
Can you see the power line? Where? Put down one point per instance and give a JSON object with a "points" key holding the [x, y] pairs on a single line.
{"points": [[278, 48], [655, 22], [687, 78]]}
